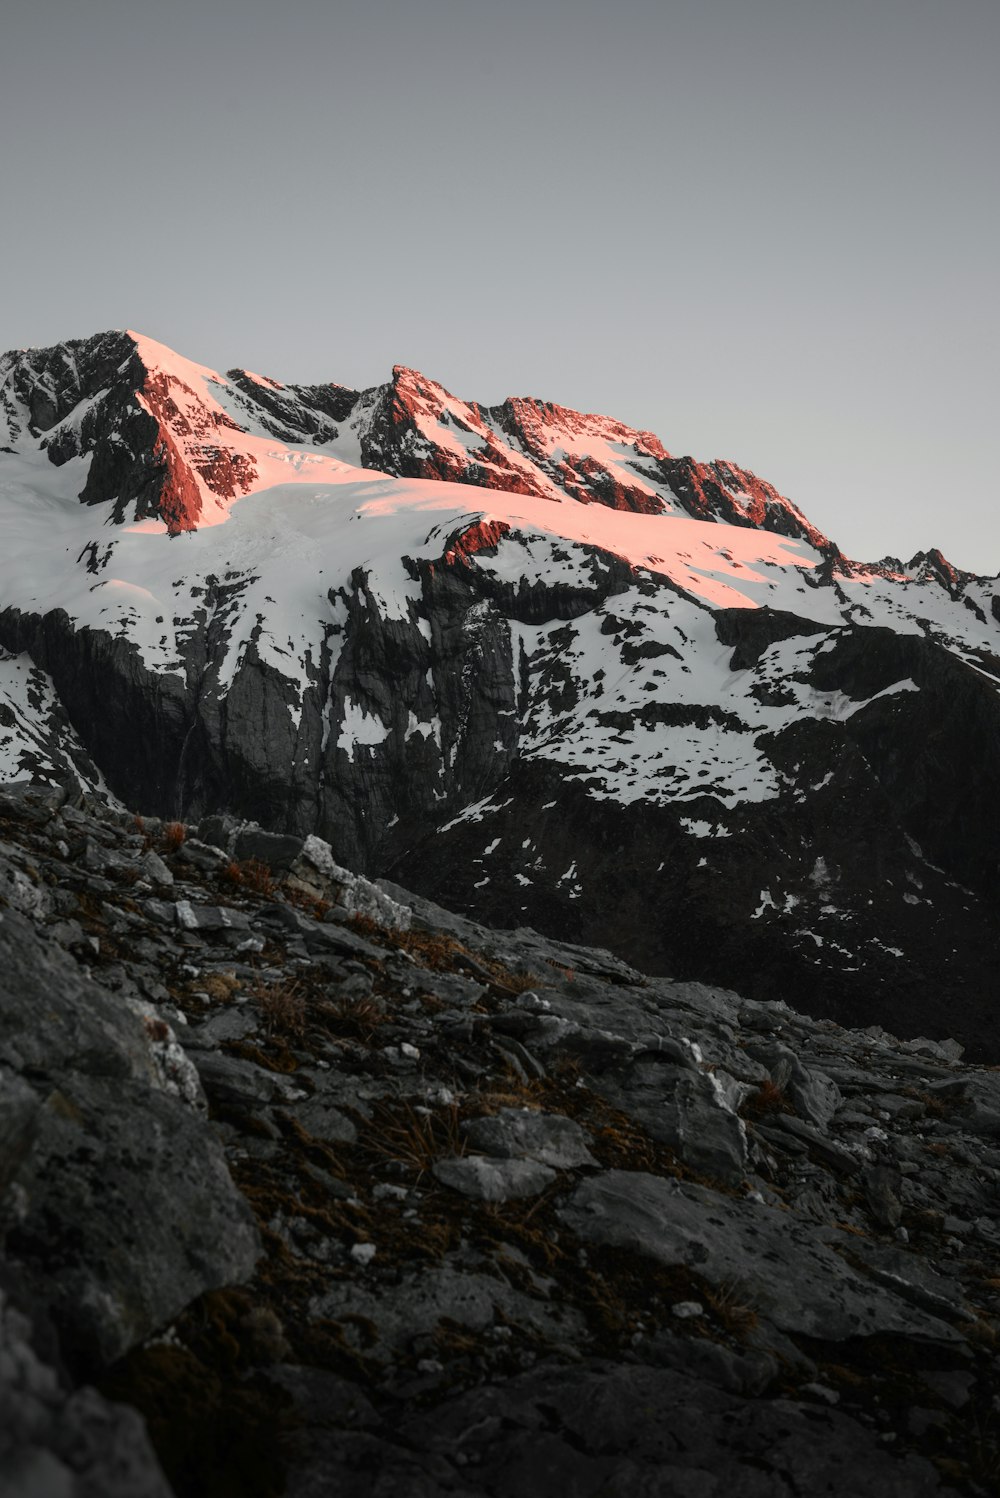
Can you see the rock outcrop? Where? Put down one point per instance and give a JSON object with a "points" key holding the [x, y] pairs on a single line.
{"points": [[526, 1219]]}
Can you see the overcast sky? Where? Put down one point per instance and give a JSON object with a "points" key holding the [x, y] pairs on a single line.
{"points": [[764, 230]]}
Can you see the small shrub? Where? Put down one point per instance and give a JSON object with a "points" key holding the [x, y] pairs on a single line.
{"points": [[250, 874], [768, 1100], [220, 987], [282, 1007], [174, 835], [416, 1140], [733, 1307], [355, 1018], [513, 983]]}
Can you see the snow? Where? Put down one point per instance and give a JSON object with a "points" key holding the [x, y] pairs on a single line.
{"points": [[287, 547], [34, 733], [361, 728], [697, 828], [766, 903], [284, 547], [431, 730]]}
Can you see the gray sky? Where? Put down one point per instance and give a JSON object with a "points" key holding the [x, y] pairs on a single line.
{"points": [[765, 230]]}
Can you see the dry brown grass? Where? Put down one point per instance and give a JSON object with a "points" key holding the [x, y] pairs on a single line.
{"points": [[251, 875], [220, 987], [768, 1100], [173, 835], [444, 954], [415, 1140], [354, 1019], [509, 1091], [733, 1307], [282, 1007]]}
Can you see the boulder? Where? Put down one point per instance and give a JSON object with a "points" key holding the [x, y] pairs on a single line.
{"points": [[738, 1243], [494, 1180], [130, 1214], [526, 1134]]}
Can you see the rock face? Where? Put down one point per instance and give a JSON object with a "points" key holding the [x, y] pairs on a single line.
{"points": [[124, 1209], [615, 671], [341, 1192], [62, 1443]]}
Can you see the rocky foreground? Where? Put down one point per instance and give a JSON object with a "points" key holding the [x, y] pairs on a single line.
{"points": [[309, 1187]]}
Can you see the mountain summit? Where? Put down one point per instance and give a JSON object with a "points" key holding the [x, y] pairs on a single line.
{"points": [[519, 658], [189, 440]]}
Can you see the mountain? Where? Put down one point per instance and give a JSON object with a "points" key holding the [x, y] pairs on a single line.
{"points": [[630, 698]]}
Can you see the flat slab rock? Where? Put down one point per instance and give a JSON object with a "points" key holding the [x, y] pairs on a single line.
{"points": [[682, 1109], [728, 1241], [526, 1134], [323, 1121], [417, 1304], [494, 1180], [634, 1432]]}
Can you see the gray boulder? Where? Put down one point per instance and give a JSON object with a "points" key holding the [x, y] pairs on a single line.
{"points": [[55, 1443], [316, 872], [494, 1180], [684, 1109], [54, 1020], [130, 1214], [125, 1207], [525, 1134], [738, 1244]]}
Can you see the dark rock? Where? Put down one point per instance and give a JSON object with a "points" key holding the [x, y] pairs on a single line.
{"points": [[54, 1021], [277, 850], [881, 1186], [686, 1110], [417, 1303], [201, 855], [638, 1430], [55, 1441], [324, 1121], [831, 1153], [130, 1214], [155, 870], [220, 831], [229, 1079]]}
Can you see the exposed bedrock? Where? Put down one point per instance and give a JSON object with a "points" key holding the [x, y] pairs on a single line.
{"points": [[864, 888], [435, 696]]}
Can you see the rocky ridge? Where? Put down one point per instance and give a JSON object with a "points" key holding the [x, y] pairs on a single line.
{"points": [[527, 664], [341, 1191], [168, 438]]}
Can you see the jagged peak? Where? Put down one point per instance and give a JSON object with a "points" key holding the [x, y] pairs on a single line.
{"points": [[936, 560], [412, 425]]}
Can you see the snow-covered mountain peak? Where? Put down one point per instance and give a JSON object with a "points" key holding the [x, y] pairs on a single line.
{"points": [[520, 648], [176, 440]]}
